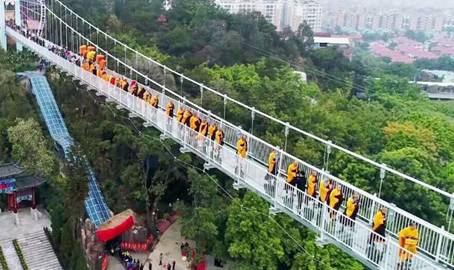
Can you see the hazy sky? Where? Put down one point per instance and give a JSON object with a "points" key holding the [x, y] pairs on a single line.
{"points": [[392, 3]]}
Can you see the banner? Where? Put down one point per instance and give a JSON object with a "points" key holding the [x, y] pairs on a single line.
{"points": [[7, 185]]}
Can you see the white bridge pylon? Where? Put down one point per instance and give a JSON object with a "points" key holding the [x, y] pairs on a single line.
{"points": [[435, 245]]}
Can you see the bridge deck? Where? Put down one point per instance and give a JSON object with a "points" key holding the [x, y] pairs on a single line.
{"points": [[307, 210]]}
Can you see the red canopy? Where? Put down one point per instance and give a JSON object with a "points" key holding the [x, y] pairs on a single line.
{"points": [[116, 226]]}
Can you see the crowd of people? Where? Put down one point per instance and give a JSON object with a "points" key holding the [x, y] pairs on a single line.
{"points": [[329, 193]]}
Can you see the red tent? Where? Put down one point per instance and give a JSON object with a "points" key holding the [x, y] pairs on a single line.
{"points": [[116, 226]]}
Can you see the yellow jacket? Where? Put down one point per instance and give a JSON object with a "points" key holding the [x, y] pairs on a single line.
{"points": [[219, 137], [180, 113], [408, 239], [352, 208], [203, 128], [292, 171], [379, 223], [91, 55], [212, 131], [194, 122], [323, 192], [169, 109], [241, 147], [312, 185], [186, 116], [272, 159], [335, 198], [154, 101]]}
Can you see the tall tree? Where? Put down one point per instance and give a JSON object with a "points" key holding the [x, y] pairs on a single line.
{"points": [[30, 148]]}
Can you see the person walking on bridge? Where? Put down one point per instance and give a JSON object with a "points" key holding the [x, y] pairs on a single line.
{"points": [[241, 151], [375, 249], [408, 243], [270, 177], [218, 144]]}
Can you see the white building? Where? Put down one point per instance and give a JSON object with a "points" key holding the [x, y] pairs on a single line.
{"points": [[281, 13]]}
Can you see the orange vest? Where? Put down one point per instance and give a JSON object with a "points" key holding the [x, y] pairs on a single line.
{"points": [[292, 171], [203, 129], [335, 198], [272, 159], [180, 113], [186, 116], [169, 109], [154, 101], [241, 147], [312, 185], [194, 122], [83, 50], [219, 137], [212, 131]]}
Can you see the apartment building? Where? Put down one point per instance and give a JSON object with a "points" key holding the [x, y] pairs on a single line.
{"points": [[281, 13]]}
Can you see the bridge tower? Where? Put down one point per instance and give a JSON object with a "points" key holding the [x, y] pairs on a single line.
{"points": [[2, 25]]}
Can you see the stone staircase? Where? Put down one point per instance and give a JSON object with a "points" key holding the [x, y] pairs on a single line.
{"points": [[38, 252], [10, 254]]}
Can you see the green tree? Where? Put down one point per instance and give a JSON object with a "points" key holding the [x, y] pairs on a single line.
{"points": [[29, 147], [251, 236]]}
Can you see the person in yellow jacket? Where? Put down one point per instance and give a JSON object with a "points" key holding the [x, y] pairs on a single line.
{"points": [[91, 56], [408, 242], [292, 172], [169, 109], [241, 151], [272, 164], [335, 199], [186, 117], [194, 122], [180, 113], [375, 248], [154, 101], [271, 173], [219, 142], [351, 210], [311, 189], [203, 131], [325, 189], [203, 128], [83, 50], [212, 131]]}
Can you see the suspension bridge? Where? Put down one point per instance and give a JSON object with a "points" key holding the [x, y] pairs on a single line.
{"points": [[58, 26]]}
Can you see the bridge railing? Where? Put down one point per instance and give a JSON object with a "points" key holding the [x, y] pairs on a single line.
{"points": [[123, 51], [429, 245]]}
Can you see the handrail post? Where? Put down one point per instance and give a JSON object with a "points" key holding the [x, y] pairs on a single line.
{"points": [[225, 104], [382, 177], [439, 245], [201, 94], [286, 132], [328, 152], [372, 210], [252, 119]]}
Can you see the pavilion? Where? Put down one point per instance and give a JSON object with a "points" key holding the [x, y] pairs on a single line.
{"points": [[19, 186]]}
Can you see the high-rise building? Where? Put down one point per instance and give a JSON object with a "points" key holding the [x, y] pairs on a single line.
{"points": [[387, 19], [281, 13]]}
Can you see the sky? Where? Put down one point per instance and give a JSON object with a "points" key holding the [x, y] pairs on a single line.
{"points": [[393, 3]]}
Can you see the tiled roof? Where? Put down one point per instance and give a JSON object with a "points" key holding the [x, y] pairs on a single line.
{"points": [[23, 182], [10, 169]]}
